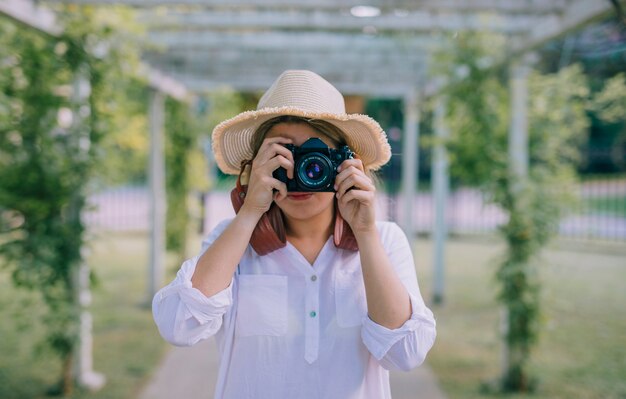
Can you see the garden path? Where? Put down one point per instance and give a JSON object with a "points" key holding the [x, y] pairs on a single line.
{"points": [[190, 373]]}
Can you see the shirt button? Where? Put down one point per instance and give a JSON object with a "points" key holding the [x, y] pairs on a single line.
{"points": [[313, 277], [313, 313]]}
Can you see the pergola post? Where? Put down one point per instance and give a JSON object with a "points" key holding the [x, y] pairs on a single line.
{"points": [[156, 177], [518, 130], [518, 157], [440, 198], [83, 366], [410, 161]]}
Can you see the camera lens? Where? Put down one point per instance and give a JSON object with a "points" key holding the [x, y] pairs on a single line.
{"points": [[314, 171]]}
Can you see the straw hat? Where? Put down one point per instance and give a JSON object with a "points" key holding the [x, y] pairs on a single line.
{"points": [[304, 94]]}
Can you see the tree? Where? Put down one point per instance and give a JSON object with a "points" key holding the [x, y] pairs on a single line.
{"points": [[185, 170], [478, 116], [52, 120]]}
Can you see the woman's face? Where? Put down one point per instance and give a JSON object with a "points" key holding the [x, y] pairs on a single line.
{"points": [[303, 206]]}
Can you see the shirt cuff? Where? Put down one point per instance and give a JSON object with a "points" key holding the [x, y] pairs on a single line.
{"points": [[203, 308], [379, 339], [198, 305]]}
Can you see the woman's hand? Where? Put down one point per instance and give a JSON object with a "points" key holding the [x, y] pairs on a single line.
{"points": [[355, 196], [271, 156]]}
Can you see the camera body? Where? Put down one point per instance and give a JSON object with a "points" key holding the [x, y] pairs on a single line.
{"points": [[315, 166]]}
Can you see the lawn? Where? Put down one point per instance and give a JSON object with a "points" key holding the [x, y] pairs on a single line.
{"points": [[603, 195], [614, 205], [127, 346], [582, 349], [581, 353]]}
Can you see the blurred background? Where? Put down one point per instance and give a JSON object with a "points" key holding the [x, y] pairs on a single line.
{"points": [[507, 121]]}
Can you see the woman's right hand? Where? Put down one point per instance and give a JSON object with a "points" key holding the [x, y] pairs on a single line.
{"points": [[215, 268], [271, 155]]}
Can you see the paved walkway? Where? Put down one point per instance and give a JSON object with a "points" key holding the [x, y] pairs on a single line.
{"points": [[190, 373]]}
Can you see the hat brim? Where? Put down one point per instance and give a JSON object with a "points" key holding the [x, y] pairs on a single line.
{"points": [[232, 139]]}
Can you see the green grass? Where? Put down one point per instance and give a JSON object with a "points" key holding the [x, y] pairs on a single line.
{"points": [[582, 348], [610, 205], [581, 353], [127, 347]]}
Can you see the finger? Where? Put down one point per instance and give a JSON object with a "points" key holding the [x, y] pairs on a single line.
{"points": [[270, 150], [351, 170], [284, 152], [268, 142], [357, 163], [365, 197], [267, 168], [281, 191], [359, 182], [268, 184], [280, 161], [267, 159], [278, 139]]}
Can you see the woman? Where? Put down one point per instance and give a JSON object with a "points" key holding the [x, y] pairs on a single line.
{"points": [[332, 302]]}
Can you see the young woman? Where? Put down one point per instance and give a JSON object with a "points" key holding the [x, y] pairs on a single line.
{"points": [[321, 300]]}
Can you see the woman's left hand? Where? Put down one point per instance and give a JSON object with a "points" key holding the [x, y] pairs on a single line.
{"points": [[356, 196]]}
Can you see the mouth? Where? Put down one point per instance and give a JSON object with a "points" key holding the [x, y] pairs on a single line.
{"points": [[299, 196]]}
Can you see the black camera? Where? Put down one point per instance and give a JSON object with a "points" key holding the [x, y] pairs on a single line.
{"points": [[315, 166]]}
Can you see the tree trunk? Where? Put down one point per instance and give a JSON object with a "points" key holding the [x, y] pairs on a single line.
{"points": [[68, 375]]}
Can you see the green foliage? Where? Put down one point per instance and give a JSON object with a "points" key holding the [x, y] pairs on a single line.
{"points": [[478, 117], [186, 166], [43, 169], [179, 140], [185, 171], [388, 112], [54, 91], [119, 101], [224, 104], [125, 148], [477, 110], [609, 104]]}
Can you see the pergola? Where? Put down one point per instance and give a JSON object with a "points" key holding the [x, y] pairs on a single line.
{"points": [[376, 48], [370, 47]]}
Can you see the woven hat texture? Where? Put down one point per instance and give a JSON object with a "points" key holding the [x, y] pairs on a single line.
{"points": [[305, 94]]}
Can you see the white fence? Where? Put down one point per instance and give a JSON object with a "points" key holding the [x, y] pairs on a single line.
{"points": [[600, 215]]}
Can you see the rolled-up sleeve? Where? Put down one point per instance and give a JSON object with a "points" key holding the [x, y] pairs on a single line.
{"points": [[406, 347], [182, 313], [403, 348]]}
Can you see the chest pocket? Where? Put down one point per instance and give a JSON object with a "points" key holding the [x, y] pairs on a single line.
{"points": [[350, 301], [262, 305]]}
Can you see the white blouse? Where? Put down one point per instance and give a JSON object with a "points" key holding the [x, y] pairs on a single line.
{"points": [[289, 329]]}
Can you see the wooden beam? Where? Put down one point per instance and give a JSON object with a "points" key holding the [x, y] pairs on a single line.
{"points": [[411, 21], [29, 14], [214, 59], [399, 6], [290, 41], [578, 13], [231, 66], [164, 83], [260, 83], [38, 17]]}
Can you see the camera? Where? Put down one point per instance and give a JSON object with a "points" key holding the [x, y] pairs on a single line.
{"points": [[315, 166]]}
